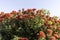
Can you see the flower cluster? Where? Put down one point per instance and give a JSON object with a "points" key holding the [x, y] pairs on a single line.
{"points": [[30, 24]]}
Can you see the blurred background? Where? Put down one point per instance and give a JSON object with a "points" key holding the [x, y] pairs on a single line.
{"points": [[52, 5]]}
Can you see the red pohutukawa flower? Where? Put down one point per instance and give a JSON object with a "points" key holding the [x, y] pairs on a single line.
{"points": [[1, 19], [8, 15], [49, 31], [26, 15], [59, 37], [42, 34], [20, 17], [59, 20], [32, 17], [30, 10], [52, 38], [58, 28], [56, 35]]}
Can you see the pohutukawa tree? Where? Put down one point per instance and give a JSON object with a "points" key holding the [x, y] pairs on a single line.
{"points": [[30, 24]]}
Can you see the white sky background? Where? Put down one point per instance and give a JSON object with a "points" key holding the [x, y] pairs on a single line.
{"points": [[52, 5]]}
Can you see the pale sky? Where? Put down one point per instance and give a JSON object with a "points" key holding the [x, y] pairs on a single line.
{"points": [[52, 5]]}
